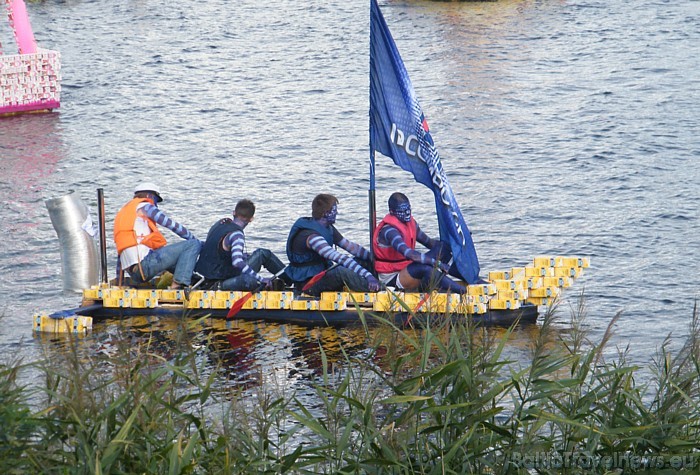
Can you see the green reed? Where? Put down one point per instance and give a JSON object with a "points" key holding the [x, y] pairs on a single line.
{"points": [[437, 398]]}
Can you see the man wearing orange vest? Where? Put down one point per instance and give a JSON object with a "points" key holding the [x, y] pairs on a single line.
{"points": [[143, 251], [396, 260]]}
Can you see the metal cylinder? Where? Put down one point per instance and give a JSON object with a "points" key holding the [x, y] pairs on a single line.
{"points": [[76, 235]]}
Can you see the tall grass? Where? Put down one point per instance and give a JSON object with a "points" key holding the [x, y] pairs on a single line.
{"points": [[442, 398]]}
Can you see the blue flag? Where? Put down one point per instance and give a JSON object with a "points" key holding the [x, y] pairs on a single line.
{"points": [[398, 130]]}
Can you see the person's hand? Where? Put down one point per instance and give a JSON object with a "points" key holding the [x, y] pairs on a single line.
{"points": [[266, 282], [374, 285]]}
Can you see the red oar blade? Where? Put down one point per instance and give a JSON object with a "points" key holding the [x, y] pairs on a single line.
{"points": [[313, 280], [238, 305]]}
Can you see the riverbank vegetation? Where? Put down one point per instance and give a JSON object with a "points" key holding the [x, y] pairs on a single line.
{"points": [[439, 399]]}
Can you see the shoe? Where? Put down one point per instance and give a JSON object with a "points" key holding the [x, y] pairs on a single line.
{"points": [[278, 284]]}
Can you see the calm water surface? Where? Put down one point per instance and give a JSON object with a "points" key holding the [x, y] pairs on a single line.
{"points": [[566, 127]]}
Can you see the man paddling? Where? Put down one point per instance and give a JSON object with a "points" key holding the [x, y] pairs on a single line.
{"points": [[143, 251], [396, 260], [223, 256], [310, 252]]}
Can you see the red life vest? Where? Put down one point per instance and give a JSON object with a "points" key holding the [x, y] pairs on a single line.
{"points": [[124, 235], [387, 259]]}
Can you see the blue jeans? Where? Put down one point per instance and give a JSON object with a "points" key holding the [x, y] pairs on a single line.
{"points": [[178, 258], [257, 260]]}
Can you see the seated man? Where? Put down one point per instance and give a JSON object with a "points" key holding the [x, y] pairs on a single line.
{"points": [[223, 257], [310, 252], [143, 251], [396, 260]]}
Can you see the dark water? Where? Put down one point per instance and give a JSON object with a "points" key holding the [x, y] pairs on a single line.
{"points": [[566, 128]]}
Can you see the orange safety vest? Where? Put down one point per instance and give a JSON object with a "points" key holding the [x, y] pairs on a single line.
{"points": [[124, 234], [386, 258]]}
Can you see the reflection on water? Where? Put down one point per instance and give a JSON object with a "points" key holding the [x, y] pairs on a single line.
{"points": [[289, 359], [30, 149], [245, 355]]}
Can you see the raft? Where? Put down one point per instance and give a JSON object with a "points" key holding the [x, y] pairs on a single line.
{"points": [[506, 297]]}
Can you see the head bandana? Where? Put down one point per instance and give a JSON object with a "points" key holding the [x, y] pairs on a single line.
{"points": [[331, 214], [402, 212]]}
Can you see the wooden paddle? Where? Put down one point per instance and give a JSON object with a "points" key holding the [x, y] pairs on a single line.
{"points": [[317, 277], [238, 304]]}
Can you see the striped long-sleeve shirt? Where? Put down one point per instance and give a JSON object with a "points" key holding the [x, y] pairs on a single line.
{"points": [[391, 236], [161, 218], [319, 245], [235, 241]]}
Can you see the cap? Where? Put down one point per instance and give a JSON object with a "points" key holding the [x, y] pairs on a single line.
{"points": [[148, 186]]}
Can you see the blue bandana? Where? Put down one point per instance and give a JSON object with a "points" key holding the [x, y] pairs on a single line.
{"points": [[330, 215], [402, 212]]}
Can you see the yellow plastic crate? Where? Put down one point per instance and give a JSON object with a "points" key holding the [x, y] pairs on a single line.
{"points": [[461, 303], [143, 303], [172, 295], [557, 281], [545, 292], [475, 308], [517, 273], [544, 261], [334, 296], [130, 293], [256, 302], [510, 284], [362, 297], [388, 301], [76, 324], [504, 304], [565, 272], [147, 294], [500, 275], [272, 303], [305, 305], [540, 301], [199, 303], [227, 294], [512, 294], [220, 303], [278, 294], [328, 305], [92, 293], [563, 261], [482, 289], [203, 295], [539, 272], [412, 298], [116, 302]]}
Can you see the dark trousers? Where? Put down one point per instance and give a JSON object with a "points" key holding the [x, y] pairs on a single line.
{"points": [[257, 260], [338, 278]]}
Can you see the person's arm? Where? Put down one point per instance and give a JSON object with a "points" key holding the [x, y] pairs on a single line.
{"points": [[355, 249], [235, 242], [424, 239], [318, 244], [161, 218], [391, 236]]}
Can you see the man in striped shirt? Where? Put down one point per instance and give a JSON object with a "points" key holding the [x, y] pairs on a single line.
{"points": [[310, 252], [223, 257], [143, 251]]}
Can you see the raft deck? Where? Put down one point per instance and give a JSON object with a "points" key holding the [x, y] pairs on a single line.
{"points": [[507, 297]]}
